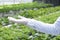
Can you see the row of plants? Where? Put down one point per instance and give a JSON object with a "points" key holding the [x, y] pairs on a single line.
{"points": [[34, 13], [14, 7], [50, 18], [40, 12]]}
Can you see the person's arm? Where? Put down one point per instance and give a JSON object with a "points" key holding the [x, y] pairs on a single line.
{"points": [[37, 25]]}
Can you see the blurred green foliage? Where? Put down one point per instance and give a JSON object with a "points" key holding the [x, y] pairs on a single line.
{"points": [[40, 12], [22, 32], [14, 7]]}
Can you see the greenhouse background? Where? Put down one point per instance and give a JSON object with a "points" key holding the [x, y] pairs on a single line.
{"points": [[42, 10]]}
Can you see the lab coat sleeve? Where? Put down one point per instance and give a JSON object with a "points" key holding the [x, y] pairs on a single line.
{"points": [[43, 27]]}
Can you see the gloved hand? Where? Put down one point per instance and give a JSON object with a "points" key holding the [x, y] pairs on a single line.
{"points": [[21, 20]]}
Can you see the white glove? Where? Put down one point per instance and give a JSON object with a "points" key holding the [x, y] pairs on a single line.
{"points": [[21, 20]]}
